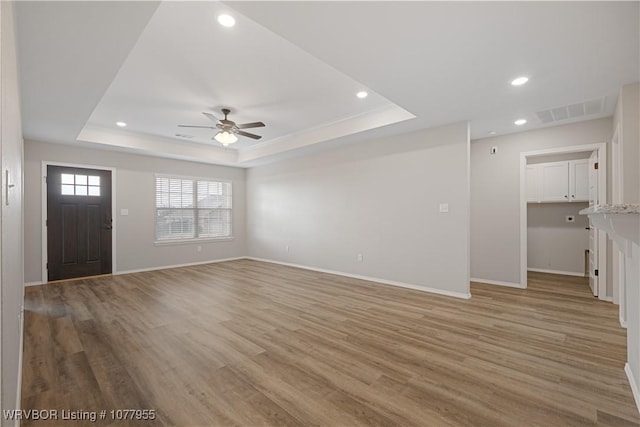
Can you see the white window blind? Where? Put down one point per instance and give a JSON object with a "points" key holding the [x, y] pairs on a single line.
{"points": [[192, 208]]}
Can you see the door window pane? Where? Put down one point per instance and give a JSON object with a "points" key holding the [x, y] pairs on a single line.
{"points": [[77, 185]]}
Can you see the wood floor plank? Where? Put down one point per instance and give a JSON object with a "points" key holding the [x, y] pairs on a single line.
{"points": [[246, 343]]}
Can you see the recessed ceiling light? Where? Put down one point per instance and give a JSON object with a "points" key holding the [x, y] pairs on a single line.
{"points": [[362, 94], [226, 20], [121, 124], [520, 122], [492, 132], [519, 81]]}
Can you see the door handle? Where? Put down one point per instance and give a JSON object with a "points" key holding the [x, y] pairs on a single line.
{"points": [[108, 223]]}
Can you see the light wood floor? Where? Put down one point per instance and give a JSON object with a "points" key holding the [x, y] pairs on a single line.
{"points": [[249, 343]]}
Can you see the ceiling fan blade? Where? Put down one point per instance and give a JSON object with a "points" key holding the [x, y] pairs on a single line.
{"points": [[248, 135], [211, 117], [251, 125], [192, 126]]}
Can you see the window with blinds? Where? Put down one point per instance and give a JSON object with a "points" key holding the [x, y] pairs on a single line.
{"points": [[191, 208]]}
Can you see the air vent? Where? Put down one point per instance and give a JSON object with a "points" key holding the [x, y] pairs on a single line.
{"points": [[558, 114]]}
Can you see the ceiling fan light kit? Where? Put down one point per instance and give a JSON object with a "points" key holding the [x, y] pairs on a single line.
{"points": [[225, 138], [228, 130]]}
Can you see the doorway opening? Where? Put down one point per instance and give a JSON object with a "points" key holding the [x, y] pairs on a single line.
{"points": [[78, 224], [554, 238]]}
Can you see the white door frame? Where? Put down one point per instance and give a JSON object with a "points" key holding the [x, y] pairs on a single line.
{"points": [[617, 257], [601, 148], [45, 254]]}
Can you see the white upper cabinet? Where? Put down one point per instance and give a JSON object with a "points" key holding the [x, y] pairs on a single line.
{"points": [[566, 181], [555, 182], [579, 180]]}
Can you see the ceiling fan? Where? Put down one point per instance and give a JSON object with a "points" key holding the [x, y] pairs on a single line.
{"points": [[228, 129]]}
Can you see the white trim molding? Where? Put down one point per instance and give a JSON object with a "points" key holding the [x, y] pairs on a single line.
{"points": [[601, 148], [166, 267], [34, 283], [564, 273], [141, 270], [623, 322], [498, 283], [43, 190], [461, 295], [20, 363], [633, 384]]}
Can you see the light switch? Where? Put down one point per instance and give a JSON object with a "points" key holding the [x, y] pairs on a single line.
{"points": [[124, 212], [444, 207]]}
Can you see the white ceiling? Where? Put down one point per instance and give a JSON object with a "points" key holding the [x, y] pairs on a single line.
{"points": [[297, 65]]}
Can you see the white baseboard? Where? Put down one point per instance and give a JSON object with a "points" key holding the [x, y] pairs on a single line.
{"points": [[623, 322], [498, 283], [606, 298], [633, 384], [33, 283], [322, 270], [20, 357], [564, 273], [161, 267], [165, 267], [370, 279]]}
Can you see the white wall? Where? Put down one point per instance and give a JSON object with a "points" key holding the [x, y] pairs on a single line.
{"points": [[626, 117], [495, 193], [378, 198], [11, 220], [554, 244], [626, 121], [135, 191]]}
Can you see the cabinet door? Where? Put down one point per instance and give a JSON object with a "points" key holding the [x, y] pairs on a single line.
{"points": [[555, 182], [533, 182], [579, 180]]}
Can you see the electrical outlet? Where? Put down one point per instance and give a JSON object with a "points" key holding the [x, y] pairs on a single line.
{"points": [[570, 218], [444, 207], [199, 248], [286, 248], [360, 258]]}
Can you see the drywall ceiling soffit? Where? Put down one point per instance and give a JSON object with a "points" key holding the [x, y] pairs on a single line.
{"points": [[451, 61], [259, 75], [68, 55], [86, 65]]}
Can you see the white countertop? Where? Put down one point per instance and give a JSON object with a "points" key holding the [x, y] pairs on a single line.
{"points": [[621, 222], [623, 208]]}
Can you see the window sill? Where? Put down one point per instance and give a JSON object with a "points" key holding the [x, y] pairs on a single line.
{"points": [[192, 241]]}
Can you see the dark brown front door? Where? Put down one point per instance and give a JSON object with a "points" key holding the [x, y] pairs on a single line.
{"points": [[79, 222]]}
